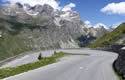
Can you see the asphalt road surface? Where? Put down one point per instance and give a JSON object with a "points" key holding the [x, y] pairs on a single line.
{"points": [[96, 65]]}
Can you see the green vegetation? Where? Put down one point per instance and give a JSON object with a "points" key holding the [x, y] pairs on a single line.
{"points": [[6, 72], [11, 45], [14, 27], [109, 38]]}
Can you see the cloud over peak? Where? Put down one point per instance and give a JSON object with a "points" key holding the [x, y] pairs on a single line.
{"points": [[99, 25], [52, 3], [88, 24], [69, 7], [114, 8]]}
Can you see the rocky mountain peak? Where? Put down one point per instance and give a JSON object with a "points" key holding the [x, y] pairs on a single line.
{"points": [[70, 15], [19, 5], [47, 27]]}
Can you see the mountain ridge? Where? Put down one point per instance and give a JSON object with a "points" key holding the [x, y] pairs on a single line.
{"points": [[48, 29], [114, 37]]}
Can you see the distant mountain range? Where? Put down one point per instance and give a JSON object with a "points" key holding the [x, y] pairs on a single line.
{"points": [[117, 36]]}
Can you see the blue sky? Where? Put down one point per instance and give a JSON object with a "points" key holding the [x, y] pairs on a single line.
{"points": [[90, 10]]}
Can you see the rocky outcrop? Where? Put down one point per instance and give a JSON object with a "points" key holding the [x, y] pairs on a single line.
{"points": [[119, 63], [97, 32]]}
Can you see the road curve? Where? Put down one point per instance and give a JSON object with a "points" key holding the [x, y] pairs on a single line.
{"points": [[95, 66]]}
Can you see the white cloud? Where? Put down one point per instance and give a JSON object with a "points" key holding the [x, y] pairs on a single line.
{"points": [[69, 7], [52, 3], [114, 8], [98, 25], [88, 24]]}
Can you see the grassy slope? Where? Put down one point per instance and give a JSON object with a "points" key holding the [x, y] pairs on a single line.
{"points": [[6, 72], [109, 38], [11, 45]]}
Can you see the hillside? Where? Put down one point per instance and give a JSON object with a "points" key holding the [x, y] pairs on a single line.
{"points": [[114, 37], [21, 31], [11, 46]]}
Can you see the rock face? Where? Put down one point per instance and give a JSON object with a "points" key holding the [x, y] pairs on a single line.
{"points": [[97, 32], [41, 26], [119, 63]]}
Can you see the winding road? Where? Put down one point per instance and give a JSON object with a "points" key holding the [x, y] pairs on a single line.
{"points": [[81, 64]]}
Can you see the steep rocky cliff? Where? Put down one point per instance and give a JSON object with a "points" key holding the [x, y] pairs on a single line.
{"points": [[42, 25]]}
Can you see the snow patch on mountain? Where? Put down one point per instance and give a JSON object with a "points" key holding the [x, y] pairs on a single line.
{"points": [[70, 15]]}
